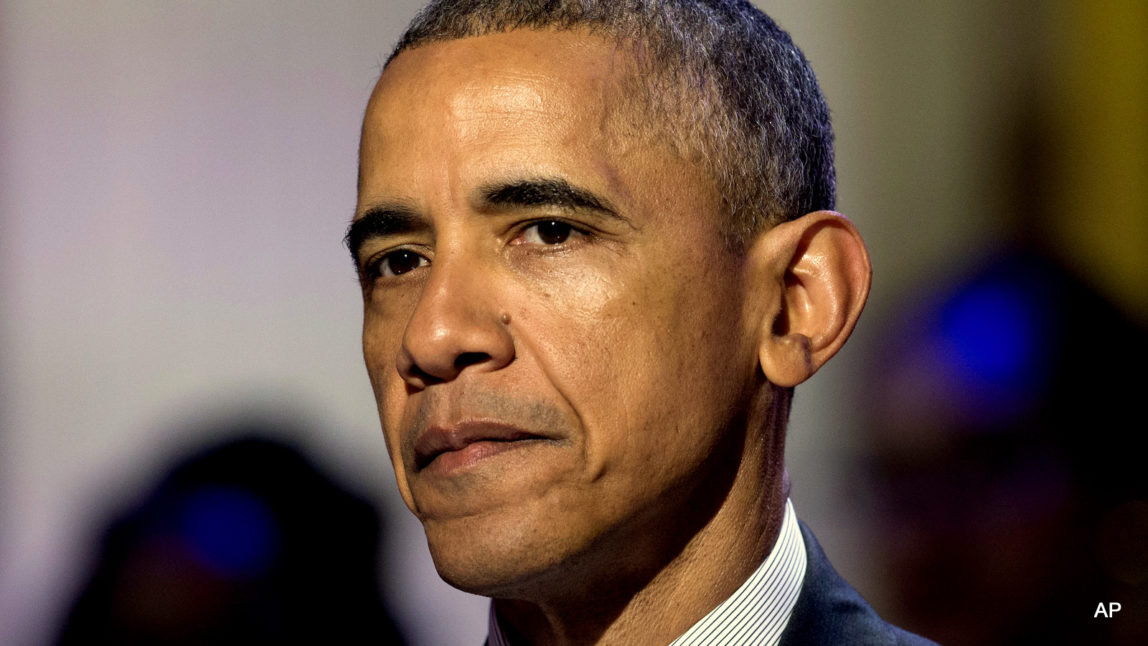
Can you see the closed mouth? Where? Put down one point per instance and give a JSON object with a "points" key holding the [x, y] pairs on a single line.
{"points": [[478, 439]]}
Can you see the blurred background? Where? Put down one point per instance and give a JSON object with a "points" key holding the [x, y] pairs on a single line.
{"points": [[179, 323]]}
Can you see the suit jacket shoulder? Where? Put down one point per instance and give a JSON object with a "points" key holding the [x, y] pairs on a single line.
{"points": [[830, 611]]}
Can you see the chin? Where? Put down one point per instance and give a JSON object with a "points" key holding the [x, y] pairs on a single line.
{"points": [[498, 559]]}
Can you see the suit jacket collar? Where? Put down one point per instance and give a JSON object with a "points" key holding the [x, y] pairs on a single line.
{"points": [[830, 612]]}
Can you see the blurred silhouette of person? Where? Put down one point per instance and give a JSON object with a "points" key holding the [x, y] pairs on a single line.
{"points": [[1006, 463], [245, 542]]}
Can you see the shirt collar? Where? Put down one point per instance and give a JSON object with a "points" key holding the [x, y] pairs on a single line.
{"points": [[756, 613]]}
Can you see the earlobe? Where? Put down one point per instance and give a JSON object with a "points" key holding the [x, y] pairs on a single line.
{"points": [[815, 277]]}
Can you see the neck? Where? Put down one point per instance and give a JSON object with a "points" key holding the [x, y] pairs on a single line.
{"points": [[711, 553]]}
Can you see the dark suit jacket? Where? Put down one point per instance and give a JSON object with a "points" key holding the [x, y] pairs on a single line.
{"points": [[830, 612]]}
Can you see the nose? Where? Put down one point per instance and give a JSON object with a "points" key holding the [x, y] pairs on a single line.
{"points": [[456, 325]]}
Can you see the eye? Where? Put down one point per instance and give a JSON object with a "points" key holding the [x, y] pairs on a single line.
{"points": [[396, 263], [548, 232]]}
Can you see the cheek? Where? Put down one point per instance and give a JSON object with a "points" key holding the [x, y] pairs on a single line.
{"points": [[382, 338], [573, 318], [380, 347], [625, 354], [378, 355]]}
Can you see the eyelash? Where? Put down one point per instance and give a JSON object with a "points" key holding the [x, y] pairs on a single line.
{"points": [[373, 269], [574, 231]]}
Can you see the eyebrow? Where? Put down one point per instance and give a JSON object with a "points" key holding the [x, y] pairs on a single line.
{"points": [[556, 192], [385, 219], [396, 218]]}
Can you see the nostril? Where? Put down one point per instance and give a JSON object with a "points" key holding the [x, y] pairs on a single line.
{"points": [[423, 376], [465, 359]]}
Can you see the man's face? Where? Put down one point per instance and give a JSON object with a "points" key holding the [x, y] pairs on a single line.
{"points": [[553, 326]]}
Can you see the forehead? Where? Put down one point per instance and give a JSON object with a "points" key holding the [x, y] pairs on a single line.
{"points": [[526, 69], [575, 60], [564, 88], [451, 116]]}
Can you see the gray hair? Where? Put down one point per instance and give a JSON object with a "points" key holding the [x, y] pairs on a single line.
{"points": [[737, 93]]}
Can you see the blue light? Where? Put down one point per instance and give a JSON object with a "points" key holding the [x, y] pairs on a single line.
{"points": [[995, 332], [230, 529]]}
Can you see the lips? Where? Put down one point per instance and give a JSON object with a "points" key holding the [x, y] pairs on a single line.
{"points": [[467, 442]]}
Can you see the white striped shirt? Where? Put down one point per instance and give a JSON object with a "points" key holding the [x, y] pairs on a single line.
{"points": [[756, 613]]}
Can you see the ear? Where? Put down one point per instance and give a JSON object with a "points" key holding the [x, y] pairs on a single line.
{"points": [[813, 274]]}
